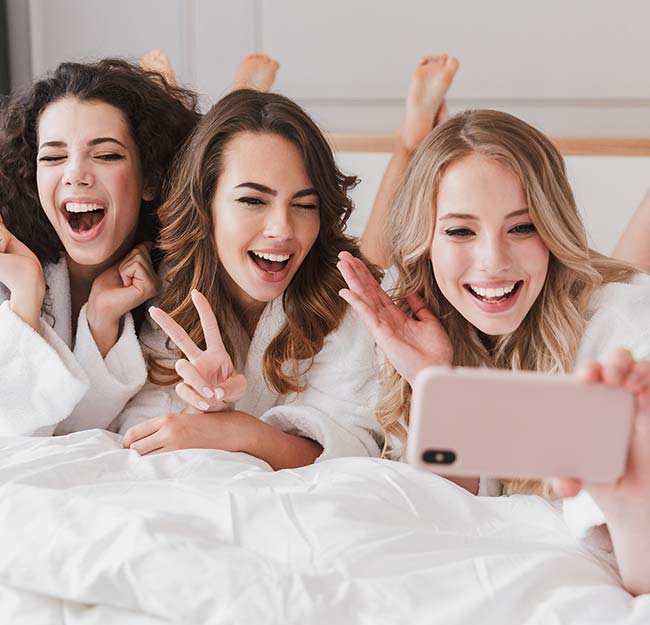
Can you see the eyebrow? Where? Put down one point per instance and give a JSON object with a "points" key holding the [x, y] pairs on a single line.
{"points": [[264, 189], [469, 216], [94, 142]]}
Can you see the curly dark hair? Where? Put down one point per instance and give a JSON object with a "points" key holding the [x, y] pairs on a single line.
{"points": [[160, 117]]}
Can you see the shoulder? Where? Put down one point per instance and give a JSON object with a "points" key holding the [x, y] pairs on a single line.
{"points": [[350, 346], [619, 317]]}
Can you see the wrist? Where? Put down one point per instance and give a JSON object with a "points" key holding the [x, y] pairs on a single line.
{"points": [[27, 303]]}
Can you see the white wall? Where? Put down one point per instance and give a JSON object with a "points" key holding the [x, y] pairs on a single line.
{"points": [[568, 66]]}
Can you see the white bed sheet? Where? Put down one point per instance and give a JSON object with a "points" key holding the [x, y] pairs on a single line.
{"points": [[93, 533]]}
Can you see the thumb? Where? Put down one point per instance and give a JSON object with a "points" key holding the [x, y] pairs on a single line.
{"points": [[232, 389]]}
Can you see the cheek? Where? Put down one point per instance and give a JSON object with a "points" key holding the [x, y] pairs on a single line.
{"points": [[449, 262], [536, 258]]}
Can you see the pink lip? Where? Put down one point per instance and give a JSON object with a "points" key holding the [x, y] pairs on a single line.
{"points": [[267, 276], [496, 307]]}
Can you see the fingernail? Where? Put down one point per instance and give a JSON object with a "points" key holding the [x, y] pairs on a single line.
{"points": [[202, 405], [207, 392], [219, 392]]}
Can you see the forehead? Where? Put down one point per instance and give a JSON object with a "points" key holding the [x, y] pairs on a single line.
{"points": [[70, 119], [481, 186], [265, 158]]}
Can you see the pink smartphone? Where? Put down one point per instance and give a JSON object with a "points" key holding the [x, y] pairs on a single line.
{"points": [[471, 422]]}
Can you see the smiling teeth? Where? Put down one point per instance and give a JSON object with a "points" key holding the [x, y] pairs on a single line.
{"points": [[82, 207], [273, 257], [499, 292]]}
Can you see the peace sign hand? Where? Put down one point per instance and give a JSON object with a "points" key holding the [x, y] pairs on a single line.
{"points": [[210, 381], [409, 344]]}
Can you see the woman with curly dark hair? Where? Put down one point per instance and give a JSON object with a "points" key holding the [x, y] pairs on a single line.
{"points": [[83, 158], [84, 155]]}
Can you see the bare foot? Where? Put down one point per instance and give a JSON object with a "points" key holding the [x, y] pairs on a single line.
{"points": [[157, 61], [256, 71], [425, 102]]}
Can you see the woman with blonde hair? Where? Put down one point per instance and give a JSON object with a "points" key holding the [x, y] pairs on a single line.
{"points": [[251, 229], [493, 269]]}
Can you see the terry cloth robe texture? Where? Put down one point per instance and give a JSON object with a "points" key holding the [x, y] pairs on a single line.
{"points": [[49, 380], [336, 408]]}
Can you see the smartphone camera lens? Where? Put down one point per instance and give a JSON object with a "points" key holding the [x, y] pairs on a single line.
{"points": [[439, 456]]}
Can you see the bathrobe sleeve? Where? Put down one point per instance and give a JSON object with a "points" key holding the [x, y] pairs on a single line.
{"points": [[41, 380], [151, 400], [113, 380], [336, 408]]}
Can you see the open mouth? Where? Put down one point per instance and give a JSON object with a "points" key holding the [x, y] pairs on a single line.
{"points": [[83, 217], [271, 263], [494, 295]]}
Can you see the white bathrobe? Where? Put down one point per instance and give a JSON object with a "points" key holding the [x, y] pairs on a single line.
{"points": [[48, 380], [336, 408]]}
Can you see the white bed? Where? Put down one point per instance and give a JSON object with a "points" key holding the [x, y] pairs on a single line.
{"points": [[93, 533]]}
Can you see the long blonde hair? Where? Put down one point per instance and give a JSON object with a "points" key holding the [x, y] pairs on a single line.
{"points": [[311, 302], [549, 337]]}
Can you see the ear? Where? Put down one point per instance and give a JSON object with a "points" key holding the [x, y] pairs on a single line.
{"points": [[147, 194]]}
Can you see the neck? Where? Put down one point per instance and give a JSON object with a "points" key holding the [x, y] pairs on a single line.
{"points": [[82, 278], [249, 308]]}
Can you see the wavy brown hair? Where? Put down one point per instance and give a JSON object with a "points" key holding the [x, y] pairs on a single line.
{"points": [[548, 338], [160, 117], [311, 302]]}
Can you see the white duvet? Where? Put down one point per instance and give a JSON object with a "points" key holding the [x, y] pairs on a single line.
{"points": [[93, 533]]}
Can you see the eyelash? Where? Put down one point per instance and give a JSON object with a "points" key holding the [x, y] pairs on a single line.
{"points": [[113, 156], [255, 201], [464, 233]]}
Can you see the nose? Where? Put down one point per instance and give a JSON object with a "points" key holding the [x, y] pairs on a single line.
{"points": [[77, 173], [279, 223], [494, 255]]}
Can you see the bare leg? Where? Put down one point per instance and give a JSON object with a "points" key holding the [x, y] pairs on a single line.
{"points": [[157, 61], [256, 71], [425, 108], [634, 244]]}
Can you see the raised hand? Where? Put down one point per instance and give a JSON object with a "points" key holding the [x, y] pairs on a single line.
{"points": [[118, 290], [409, 344], [626, 503], [210, 381], [21, 272]]}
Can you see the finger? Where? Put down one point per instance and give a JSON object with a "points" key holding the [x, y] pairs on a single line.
{"points": [[141, 430], [370, 283], [232, 389], [148, 444], [617, 367], [419, 308], [209, 322], [140, 276], [356, 282], [193, 378], [638, 379], [566, 486], [191, 397], [365, 312], [179, 337], [589, 372]]}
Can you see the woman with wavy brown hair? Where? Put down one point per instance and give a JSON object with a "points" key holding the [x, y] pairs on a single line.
{"points": [[251, 229]]}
